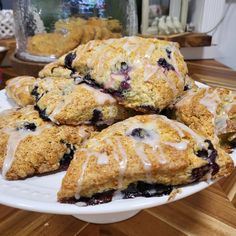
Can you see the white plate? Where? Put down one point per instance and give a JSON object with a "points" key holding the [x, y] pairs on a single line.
{"points": [[40, 194]]}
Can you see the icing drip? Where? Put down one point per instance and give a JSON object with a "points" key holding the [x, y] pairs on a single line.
{"points": [[130, 47], [81, 178], [62, 105], [147, 165], [149, 51], [123, 162], [169, 81], [210, 101], [15, 137], [221, 122], [100, 98], [198, 139], [173, 125], [141, 153], [179, 146], [102, 158], [149, 71], [20, 84], [179, 127]]}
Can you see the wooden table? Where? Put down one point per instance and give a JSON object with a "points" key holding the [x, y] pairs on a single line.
{"points": [[209, 212]]}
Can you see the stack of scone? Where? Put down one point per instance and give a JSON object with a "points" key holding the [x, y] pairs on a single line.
{"points": [[68, 116], [70, 33]]}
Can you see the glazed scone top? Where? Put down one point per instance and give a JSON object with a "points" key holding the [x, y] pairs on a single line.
{"points": [[16, 117], [214, 107], [22, 132], [146, 148], [144, 74], [66, 101], [18, 89]]}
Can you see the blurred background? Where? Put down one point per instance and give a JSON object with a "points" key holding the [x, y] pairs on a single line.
{"points": [[44, 30]]}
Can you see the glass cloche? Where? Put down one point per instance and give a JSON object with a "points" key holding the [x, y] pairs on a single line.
{"points": [[45, 30]]}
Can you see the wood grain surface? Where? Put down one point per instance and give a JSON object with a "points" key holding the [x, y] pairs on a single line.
{"points": [[209, 212]]}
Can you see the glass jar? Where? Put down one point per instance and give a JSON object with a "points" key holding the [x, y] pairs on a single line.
{"points": [[45, 30]]}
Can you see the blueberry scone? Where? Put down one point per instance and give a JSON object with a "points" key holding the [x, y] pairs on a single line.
{"points": [[211, 112], [30, 146], [18, 89], [144, 74], [142, 156], [64, 101]]}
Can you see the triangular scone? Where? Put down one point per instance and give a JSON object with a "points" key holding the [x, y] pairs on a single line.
{"points": [[211, 112], [144, 74], [18, 89], [147, 153], [67, 101], [29, 145]]}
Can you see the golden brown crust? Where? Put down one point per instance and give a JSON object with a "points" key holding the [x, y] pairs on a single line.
{"points": [[212, 112], [18, 89], [142, 148], [30, 146], [65, 102]]}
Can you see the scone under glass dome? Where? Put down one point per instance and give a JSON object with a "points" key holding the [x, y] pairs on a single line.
{"points": [[45, 30]]}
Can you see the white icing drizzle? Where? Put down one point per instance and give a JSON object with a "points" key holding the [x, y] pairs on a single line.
{"points": [[130, 47], [210, 101], [21, 84], [179, 146], [15, 137], [150, 50], [59, 108], [102, 158], [67, 98], [149, 71], [147, 165], [173, 125], [141, 153], [100, 97], [81, 178], [168, 80], [83, 132], [221, 122], [123, 162], [153, 140], [17, 82], [199, 139]]}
